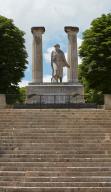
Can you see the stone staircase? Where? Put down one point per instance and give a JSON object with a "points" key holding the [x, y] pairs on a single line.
{"points": [[55, 150]]}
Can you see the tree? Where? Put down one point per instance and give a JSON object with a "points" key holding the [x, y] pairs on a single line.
{"points": [[13, 56], [95, 51]]}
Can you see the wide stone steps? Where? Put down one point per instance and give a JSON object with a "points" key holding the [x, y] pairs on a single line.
{"points": [[55, 150]]}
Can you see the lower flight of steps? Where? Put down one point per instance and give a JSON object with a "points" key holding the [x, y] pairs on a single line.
{"points": [[55, 150]]}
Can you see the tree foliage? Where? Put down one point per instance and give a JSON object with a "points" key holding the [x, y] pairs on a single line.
{"points": [[13, 56], [95, 51]]}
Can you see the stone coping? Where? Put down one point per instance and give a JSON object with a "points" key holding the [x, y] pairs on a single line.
{"points": [[56, 85]]}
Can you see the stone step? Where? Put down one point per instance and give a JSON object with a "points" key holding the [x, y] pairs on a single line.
{"points": [[66, 138], [73, 173], [64, 169], [61, 170], [50, 127], [15, 150], [62, 137], [25, 178], [56, 155], [68, 115], [62, 129], [54, 120], [54, 117], [54, 184], [54, 111], [52, 134], [57, 146], [55, 165], [63, 134], [12, 135], [57, 115], [55, 189], [105, 136], [54, 130], [51, 140], [55, 159], [74, 111]]}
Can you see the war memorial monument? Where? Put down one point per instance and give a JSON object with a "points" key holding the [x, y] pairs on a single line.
{"points": [[56, 89]]}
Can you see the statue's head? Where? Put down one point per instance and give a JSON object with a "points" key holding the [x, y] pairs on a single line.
{"points": [[57, 46]]}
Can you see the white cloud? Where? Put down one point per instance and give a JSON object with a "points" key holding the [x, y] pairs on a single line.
{"points": [[23, 83], [54, 15], [47, 55], [65, 74], [47, 78], [79, 41]]}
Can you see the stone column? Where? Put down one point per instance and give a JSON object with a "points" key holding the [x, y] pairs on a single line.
{"points": [[72, 53], [37, 58]]}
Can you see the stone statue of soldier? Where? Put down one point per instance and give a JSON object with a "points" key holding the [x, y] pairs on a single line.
{"points": [[58, 61]]}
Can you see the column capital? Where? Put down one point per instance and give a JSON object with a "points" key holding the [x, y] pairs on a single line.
{"points": [[38, 29], [71, 29]]}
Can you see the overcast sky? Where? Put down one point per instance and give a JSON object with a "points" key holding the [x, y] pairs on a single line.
{"points": [[53, 15]]}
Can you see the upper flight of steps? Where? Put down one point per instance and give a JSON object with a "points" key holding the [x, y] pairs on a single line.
{"points": [[55, 150]]}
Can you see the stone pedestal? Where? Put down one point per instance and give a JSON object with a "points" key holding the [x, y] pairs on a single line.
{"points": [[37, 60], [107, 102], [72, 53], [55, 93], [2, 101]]}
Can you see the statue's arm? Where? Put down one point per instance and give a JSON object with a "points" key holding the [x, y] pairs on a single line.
{"points": [[52, 59], [65, 61]]}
